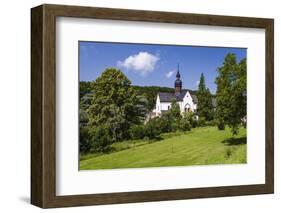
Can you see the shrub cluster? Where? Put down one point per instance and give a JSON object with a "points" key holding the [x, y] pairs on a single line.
{"points": [[95, 139], [99, 138], [164, 124]]}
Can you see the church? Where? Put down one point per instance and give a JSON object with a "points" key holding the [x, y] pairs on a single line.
{"points": [[185, 98]]}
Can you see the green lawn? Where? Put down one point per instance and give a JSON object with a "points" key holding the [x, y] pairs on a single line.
{"points": [[200, 146]]}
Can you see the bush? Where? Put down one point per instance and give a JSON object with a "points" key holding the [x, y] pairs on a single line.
{"points": [[201, 121], [211, 123], [175, 126], [192, 118], [244, 121], [220, 125], [101, 139], [146, 138], [83, 118], [194, 123], [137, 132], [165, 123], [184, 125], [151, 129], [85, 143]]}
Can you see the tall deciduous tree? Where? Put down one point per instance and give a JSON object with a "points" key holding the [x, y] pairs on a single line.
{"points": [[205, 107], [114, 104], [231, 93]]}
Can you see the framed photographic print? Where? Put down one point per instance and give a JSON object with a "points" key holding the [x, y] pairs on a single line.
{"points": [[137, 106]]}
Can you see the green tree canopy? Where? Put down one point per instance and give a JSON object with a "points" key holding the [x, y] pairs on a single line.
{"points": [[205, 107], [202, 86], [114, 103], [231, 92]]}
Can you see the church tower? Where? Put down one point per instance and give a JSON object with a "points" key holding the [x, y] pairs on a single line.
{"points": [[178, 82]]}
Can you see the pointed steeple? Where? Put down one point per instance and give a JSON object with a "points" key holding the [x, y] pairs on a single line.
{"points": [[178, 73], [178, 82]]}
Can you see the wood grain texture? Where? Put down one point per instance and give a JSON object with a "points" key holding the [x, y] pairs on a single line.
{"points": [[36, 106], [269, 106], [43, 105]]}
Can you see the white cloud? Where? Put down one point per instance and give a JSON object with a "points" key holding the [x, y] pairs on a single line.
{"points": [[170, 73], [143, 62], [197, 83]]}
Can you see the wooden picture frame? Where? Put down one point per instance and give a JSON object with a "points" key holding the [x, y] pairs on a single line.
{"points": [[43, 105]]}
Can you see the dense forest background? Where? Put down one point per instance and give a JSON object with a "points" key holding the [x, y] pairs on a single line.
{"points": [[149, 92]]}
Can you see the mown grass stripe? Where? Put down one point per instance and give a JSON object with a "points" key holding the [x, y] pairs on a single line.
{"points": [[200, 146]]}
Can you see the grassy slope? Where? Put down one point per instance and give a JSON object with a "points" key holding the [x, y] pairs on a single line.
{"points": [[200, 146]]}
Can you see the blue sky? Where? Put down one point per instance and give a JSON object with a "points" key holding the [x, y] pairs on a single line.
{"points": [[152, 64]]}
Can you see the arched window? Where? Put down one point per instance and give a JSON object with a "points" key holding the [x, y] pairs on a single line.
{"points": [[187, 108]]}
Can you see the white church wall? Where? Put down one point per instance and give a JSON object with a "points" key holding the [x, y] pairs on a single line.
{"points": [[195, 106], [165, 106], [158, 106], [161, 106], [188, 101]]}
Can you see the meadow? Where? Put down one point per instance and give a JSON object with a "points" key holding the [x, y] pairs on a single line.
{"points": [[200, 146]]}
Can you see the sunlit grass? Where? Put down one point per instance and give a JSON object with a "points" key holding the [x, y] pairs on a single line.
{"points": [[200, 146]]}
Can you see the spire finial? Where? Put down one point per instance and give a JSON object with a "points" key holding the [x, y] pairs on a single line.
{"points": [[178, 72]]}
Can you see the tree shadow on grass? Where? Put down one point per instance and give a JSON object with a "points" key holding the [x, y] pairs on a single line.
{"points": [[235, 141]]}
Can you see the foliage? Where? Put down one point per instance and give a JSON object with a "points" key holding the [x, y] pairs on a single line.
{"points": [[101, 139], [201, 121], [146, 95], [137, 132], [231, 93], [94, 139], [85, 143], [184, 125], [165, 122], [175, 125], [211, 123], [173, 120], [175, 110], [115, 104], [83, 117], [151, 129], [204, 96], [170, 120], [112, 110], [221, 125], [85, 87], [191, 118]]}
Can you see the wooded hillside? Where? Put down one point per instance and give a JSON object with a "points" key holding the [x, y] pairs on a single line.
{"points": [[149, 92]]}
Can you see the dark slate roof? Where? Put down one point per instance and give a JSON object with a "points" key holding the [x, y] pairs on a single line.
{"points": [[168, 97], [194, 98]]}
